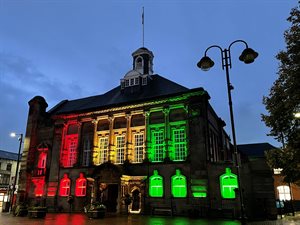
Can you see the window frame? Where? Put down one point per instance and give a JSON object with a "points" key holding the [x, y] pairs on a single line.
{"points": [[156, 185], [80, 186], [65, 186], [120, 149]]}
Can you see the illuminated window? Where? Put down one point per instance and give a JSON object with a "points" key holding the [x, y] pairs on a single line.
{"points": [[69, 153], [228, 184], [103, 150], [199, 188], [80, 189], [39, 186], [86, 153], [64, 187], [277, 171], [179, 141], [158, 146], [138, 147], [52, 188], [120, 148], [42, 163], [156, 187], [284, 193], [178, 184]]}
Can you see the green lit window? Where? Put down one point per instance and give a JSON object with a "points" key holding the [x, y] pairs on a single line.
{"points": [[158, 146], [199, 188], [179, 141], [228, 184], [178, 184], [156, 188]]}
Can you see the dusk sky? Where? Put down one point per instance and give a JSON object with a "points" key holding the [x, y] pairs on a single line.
{"points": [[69, 49]]}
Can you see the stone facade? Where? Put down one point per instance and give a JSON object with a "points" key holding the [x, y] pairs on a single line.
{"points": [[149, 144]]}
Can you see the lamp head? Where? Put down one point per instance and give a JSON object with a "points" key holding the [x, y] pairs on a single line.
{"points": [[297, 115], [13, 134], [205, 63], [248, 55]]}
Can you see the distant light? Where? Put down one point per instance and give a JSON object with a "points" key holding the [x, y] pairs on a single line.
{"points": [[297, 115], [13, 134]]}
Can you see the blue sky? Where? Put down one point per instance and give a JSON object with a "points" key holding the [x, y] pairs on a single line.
{"points": [[68, 49]]}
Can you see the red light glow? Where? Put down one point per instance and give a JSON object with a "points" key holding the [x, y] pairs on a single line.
{"points": [[80, 189]]}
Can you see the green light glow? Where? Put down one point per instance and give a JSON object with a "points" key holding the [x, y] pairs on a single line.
{"points": [[178, 184], [228, 183], [156, 188], [157, 150], [199, 195], [167, 138], [199, 188], [178, 150]]}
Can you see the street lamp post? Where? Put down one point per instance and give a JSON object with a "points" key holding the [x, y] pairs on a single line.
{"points": [[17, 168], [247, 56]]}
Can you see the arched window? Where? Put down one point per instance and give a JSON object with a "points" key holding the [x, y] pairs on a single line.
{"points": [[64, 187], [80, 188], [284, 193], [139, 62], [228, 184], [178, 184], [156, 186]]}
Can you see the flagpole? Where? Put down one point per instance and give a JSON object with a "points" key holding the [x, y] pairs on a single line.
{"points": [[143, 28]]}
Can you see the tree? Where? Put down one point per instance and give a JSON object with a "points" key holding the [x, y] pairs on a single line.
{"points": [[284, 101]]}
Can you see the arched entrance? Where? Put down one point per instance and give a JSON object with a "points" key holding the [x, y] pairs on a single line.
{"points": [[107, 183], [136, 201]]}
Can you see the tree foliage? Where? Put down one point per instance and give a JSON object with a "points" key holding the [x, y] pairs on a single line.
{"points": [[284, 101]]}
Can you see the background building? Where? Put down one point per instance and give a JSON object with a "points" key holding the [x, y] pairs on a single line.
{"points": [[8, 165], [149, 139]]}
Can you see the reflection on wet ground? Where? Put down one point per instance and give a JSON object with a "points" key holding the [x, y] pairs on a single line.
{"points": [[81, 219]]}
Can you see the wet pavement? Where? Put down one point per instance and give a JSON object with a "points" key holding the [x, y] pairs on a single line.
{"points": [[81, 219]]}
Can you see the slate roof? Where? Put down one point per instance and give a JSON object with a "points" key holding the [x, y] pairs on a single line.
{"points": [[255, 150], [8, 155], [158, 86]]}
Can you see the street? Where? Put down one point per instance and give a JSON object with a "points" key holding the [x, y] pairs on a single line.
{"points": [[81, 219]]}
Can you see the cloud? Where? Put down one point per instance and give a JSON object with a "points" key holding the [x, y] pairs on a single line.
{"points": [[20, 81]]}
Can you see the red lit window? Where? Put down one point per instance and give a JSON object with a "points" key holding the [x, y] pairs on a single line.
{"points": [[42, 163], [39, 186], [64, 187], [52, 188], [80, 189], [69, 152]]}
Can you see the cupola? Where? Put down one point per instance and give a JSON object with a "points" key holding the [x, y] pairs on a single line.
{"points": [[141, 71]]}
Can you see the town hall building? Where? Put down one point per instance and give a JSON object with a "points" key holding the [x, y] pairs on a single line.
{"points": [[149, 139]]}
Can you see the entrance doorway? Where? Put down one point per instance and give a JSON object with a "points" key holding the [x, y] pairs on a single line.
{"points": [[110, 197], [136, 200]]}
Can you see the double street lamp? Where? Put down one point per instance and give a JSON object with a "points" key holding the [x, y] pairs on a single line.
{"points": [[20, 138], [248, 56]]}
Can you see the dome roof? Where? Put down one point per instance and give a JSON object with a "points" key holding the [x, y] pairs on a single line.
{"points": [[132, 73], [141, 51]]}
